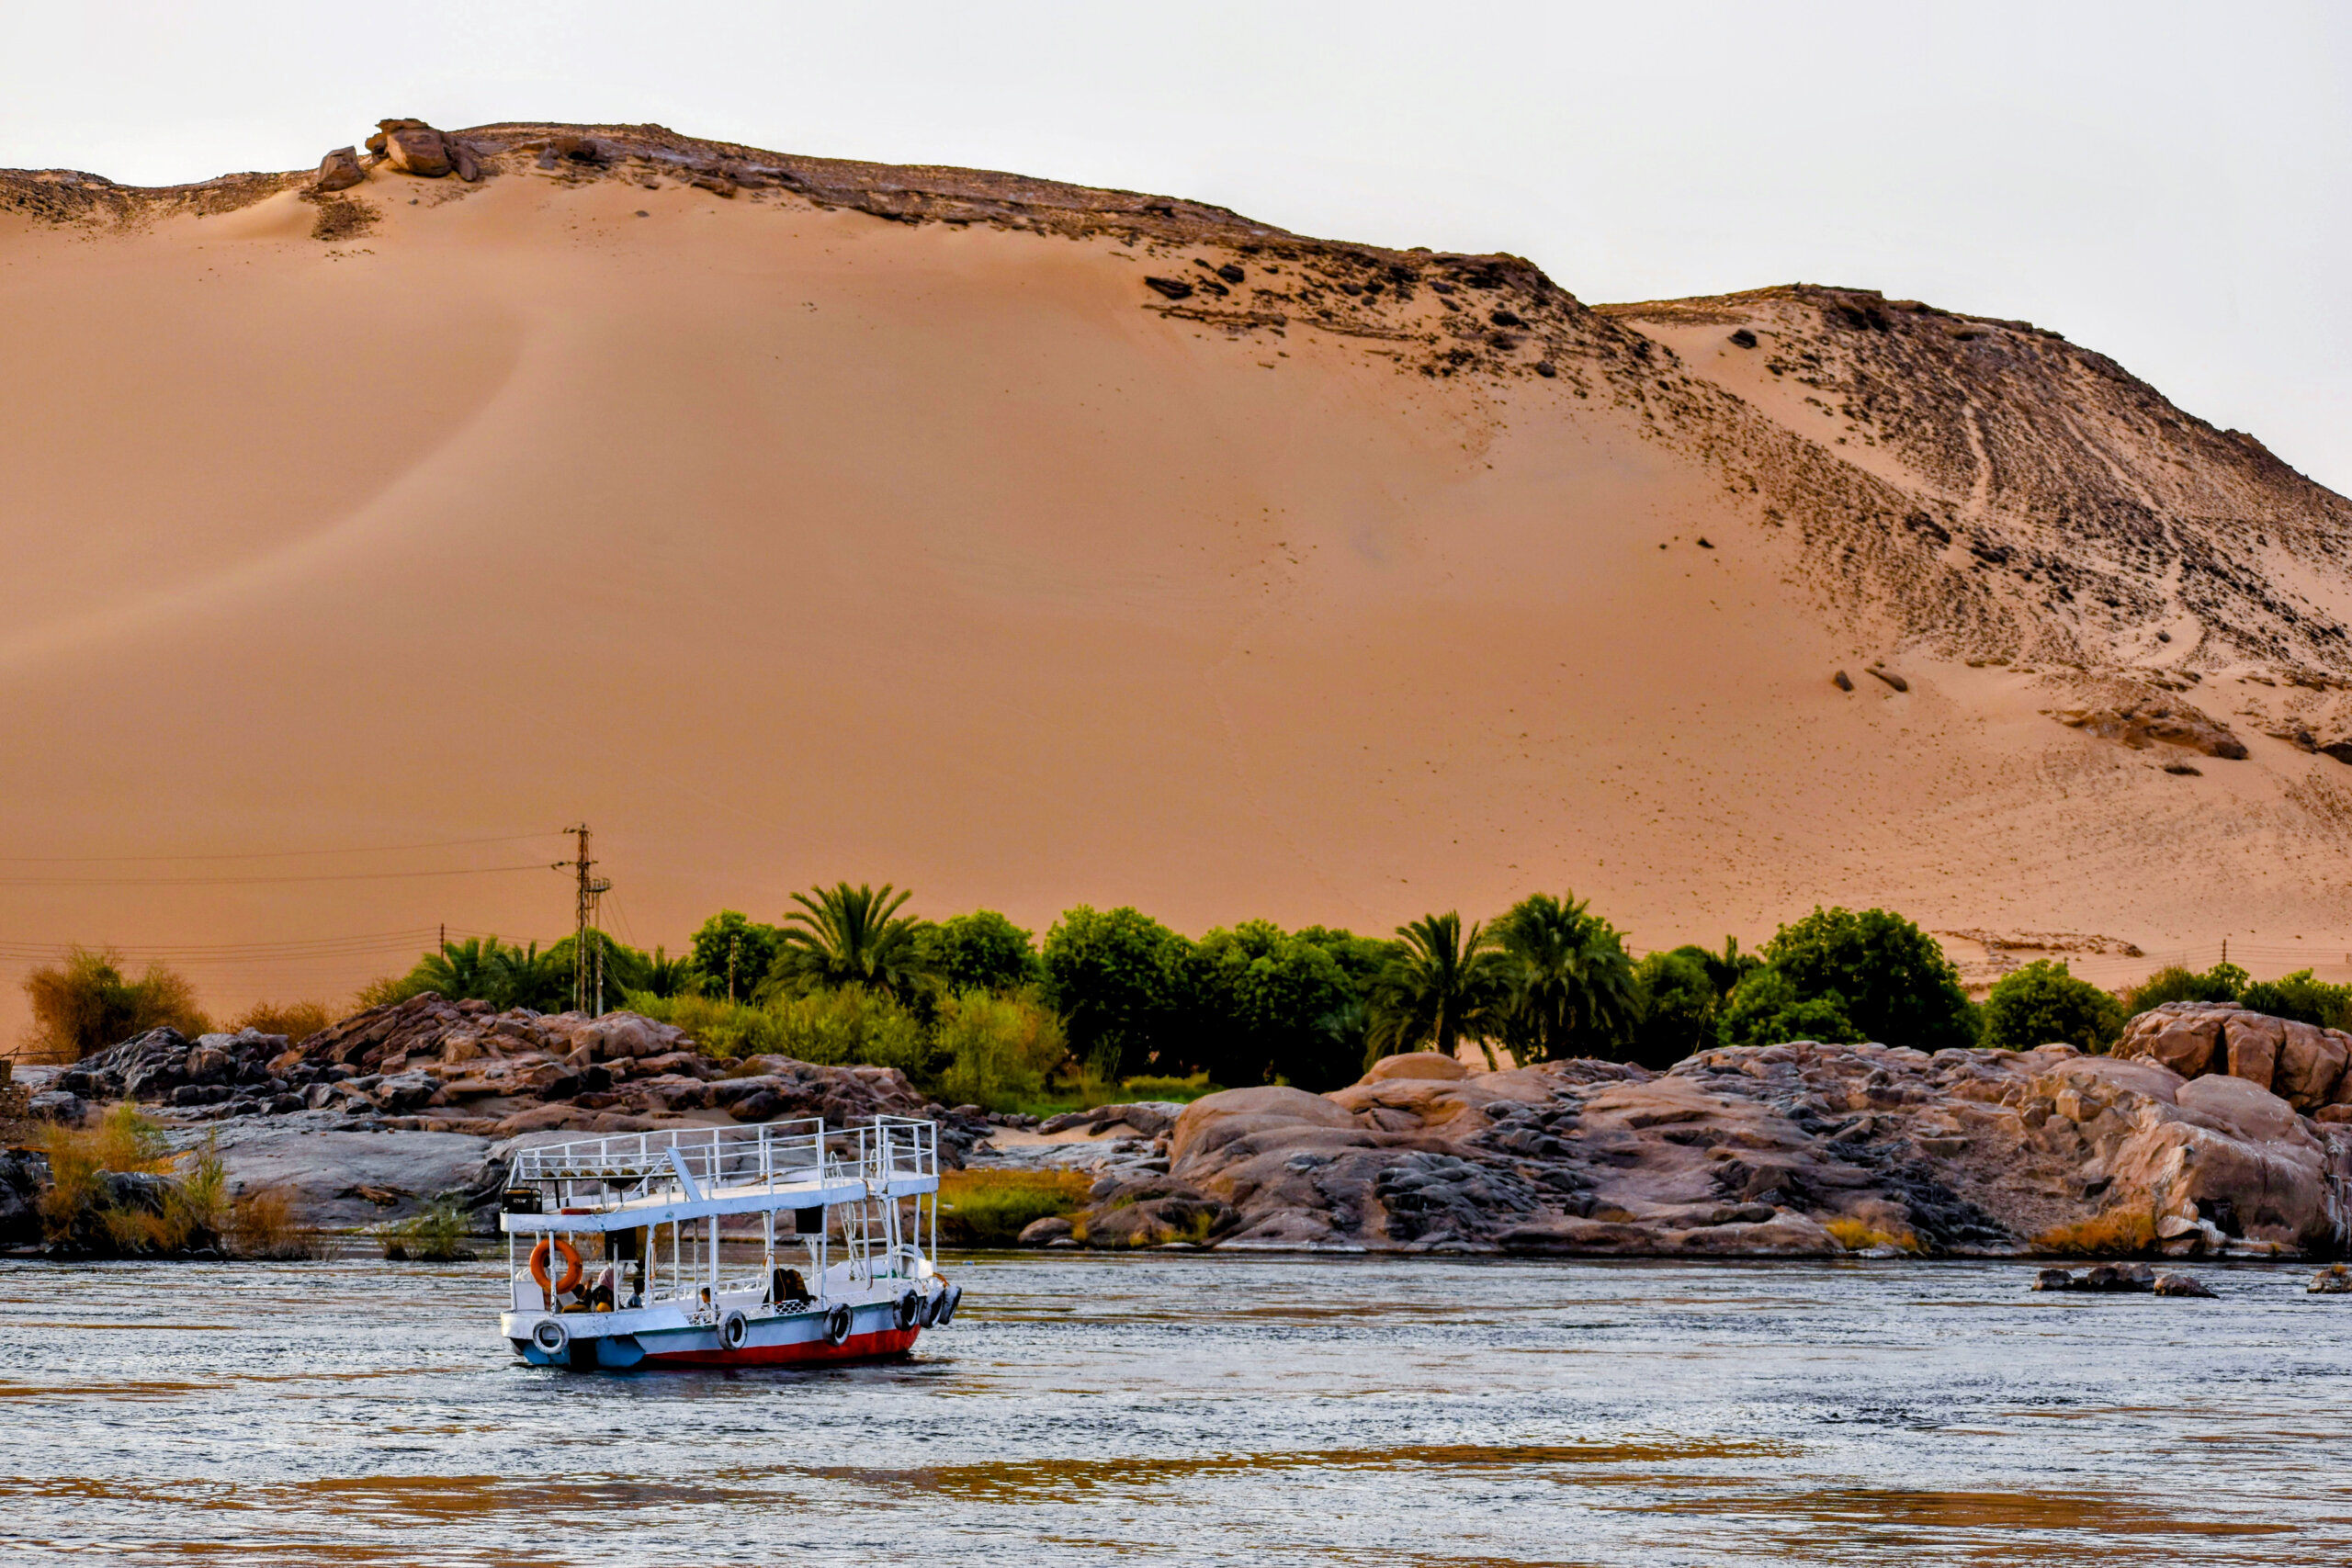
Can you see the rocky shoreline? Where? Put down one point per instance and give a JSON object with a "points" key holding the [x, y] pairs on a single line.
{"points": [[1794, 1150], [2210, 1133]]}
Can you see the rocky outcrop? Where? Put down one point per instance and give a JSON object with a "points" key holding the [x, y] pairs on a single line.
{"points": [[415, 148], [339, 170], [2301, 1063], [237, 1072], [1785, 1150], [2141, 726]]}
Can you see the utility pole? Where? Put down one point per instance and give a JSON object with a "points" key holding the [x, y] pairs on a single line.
{"points": [[586, 973]]}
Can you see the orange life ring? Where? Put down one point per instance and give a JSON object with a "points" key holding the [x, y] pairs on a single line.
{"points": [[572, 1269]]}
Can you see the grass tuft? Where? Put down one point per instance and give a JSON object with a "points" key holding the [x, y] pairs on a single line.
{"points": [[1855, 1235], [990, 1208], [2117, 1231], [435, 1233]]}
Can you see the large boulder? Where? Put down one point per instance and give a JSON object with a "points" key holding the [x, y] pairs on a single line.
{"points": [[2303, 1064], [415, 148], [339, 170]]}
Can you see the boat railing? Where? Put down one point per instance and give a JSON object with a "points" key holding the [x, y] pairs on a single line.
{"points": [[879, 1155]]}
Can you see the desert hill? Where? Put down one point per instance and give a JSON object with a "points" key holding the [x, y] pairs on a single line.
{"points": [[1029, 544]]}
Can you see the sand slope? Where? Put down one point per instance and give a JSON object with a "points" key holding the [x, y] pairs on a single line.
{"points": [[886, 524]]}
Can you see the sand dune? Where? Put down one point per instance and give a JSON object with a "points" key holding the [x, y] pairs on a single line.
{"points": [[823, 519]]}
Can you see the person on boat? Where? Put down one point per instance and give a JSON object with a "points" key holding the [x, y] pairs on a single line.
{"points": [[600, 1294]]}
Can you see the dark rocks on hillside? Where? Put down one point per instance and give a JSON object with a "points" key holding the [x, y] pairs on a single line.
{"points": [[1842, 680], [1743, 338], [2141, 726], [1173, 287], [339, 170], [1891, 678]]}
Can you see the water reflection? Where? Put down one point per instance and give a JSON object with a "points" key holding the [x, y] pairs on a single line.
{"points": [[1197, 1409]]}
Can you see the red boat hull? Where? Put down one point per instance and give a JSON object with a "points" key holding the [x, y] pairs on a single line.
{"points": [[875, 1346]]}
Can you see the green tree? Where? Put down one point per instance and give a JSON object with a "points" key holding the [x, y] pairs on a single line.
{"points": [[1122, 983], [1725, 970], [981, 951], [1567, 983], [2174, 983], [2302, 997], [732, 954], [1890, 979], [1679, 1003], [849, 936], [1444, 984], [1270, 1005], [2042, 1003], [1768, 1011]]}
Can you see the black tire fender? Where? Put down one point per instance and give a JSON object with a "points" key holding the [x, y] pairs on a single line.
{"points": [[836, 1326], [733, 1330], [949, 1300], [909, 1310]]}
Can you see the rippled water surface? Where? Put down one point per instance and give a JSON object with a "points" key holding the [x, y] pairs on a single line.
{"points": [[1198, 1409]]}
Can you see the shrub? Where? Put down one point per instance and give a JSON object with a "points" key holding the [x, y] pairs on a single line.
{"points": [[1855, 1235], [2117, 1231], [982, 951], [295, 1021], [2173, 983], [435, 1233], [83, 1004], [827, 1027], [1679, 1004], [2300, 997], [1122, 983], [1767, 1011], [262, 1227], [720, 1027], [1888, 976], [2043, 1002], [78, 1208], [999, 1050], [990, 1208], [1186, 1090]]}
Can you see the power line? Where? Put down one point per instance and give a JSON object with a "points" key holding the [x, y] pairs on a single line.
{"points": [[256, 881], [272, 854]]}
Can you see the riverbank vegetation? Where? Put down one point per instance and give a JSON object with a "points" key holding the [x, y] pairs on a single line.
{"points": [[990, 1208], [116, 1189], [1113, 1003]]}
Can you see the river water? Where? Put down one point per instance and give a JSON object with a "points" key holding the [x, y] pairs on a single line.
{"points": [[1198, 1409]]}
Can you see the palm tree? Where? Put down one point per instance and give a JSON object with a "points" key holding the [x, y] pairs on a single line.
{"points": [[481, 969], [1569, 981], [1442, 986], [851, 936]]}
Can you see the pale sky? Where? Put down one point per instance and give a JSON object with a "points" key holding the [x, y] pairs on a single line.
{"points": [[2169, 183]]}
